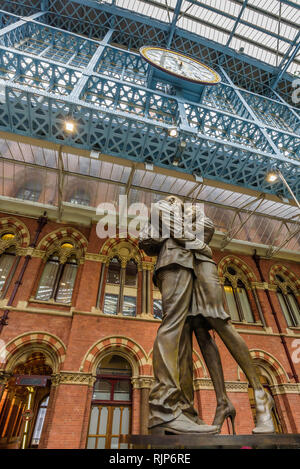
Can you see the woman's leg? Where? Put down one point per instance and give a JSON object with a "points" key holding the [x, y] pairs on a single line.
{"points": [[211, 357], [238, 349]]}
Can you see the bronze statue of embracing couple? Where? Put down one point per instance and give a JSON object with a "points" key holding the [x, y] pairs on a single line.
{"points": [[192, 302]]}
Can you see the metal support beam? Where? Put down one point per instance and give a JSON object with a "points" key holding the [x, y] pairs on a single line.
{"points": [[174, 21], [91, 66], [60, 182], [274, 250], [252, 114], [18, 24], [233, 231], [237, 22], [286, 61], [130, 179]]}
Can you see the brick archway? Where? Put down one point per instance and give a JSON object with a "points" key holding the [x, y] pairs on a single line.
{"points": [[132, 349], [63, 233], [16, 226], [111, 243], [17, 345], [272, 365], [240, 264], [285, 272], [199, 367]]}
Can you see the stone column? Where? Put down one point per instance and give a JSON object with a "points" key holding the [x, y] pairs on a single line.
{"points": [[145, 385], [101, 283], [136, 399]]}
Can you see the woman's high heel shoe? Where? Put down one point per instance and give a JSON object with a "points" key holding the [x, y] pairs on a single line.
{"points": [[264, 406], [225, 411]]}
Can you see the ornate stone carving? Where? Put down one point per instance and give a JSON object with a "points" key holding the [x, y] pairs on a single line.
{"points": [[231, 386], [73, 377], [142, 382], [286, 388], [95, 257]]}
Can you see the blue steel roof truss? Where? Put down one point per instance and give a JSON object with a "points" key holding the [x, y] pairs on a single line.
{"points": [[232, 135]]}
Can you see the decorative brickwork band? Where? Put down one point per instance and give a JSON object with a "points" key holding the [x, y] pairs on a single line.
{"points": [[231, 386], [52, 240], [12, 225], [134, 351], [290, 278], [244, 269], [34, 339], [275, 369]]}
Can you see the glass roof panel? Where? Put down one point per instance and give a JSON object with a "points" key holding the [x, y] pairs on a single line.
{"points": [[215, 20]]}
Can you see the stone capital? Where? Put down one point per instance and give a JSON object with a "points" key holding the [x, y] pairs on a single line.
{"points": [[142, 382], [4, 377]]}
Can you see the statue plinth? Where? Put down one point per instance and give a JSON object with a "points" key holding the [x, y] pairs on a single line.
{"points": [[194, 441]]}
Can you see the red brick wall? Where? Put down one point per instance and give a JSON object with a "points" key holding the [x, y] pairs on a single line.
{"points": [[68, 414]]}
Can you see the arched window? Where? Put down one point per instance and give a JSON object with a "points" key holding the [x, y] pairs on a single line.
{"points": [[57, 280], [121, 288], [288, 302], [236, 295], [30, 190], [111, 404], [7, 260], [80, 197], [24, 392]]}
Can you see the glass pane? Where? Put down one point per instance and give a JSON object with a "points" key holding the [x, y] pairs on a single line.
{"points": [[39, 426], [110, 304], [101, 443], [103, 421], [246, 308], [125, 421], [6, 263], [114, 443], [66, 284], [294, 307], [123, 445], [102, 390], [30, 191], [116, 421], [114, 271], [80, 197], [91, 443], [94, 421], [131, 274], [284, 309], [122, 391], [231, 303], [129, 306], [157, 309], [46, 285]]}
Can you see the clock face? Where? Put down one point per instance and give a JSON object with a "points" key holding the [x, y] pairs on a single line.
{"points": [[180, 65]]}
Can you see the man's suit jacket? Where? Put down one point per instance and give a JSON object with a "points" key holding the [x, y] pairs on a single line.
{"points": [[173, 252]]}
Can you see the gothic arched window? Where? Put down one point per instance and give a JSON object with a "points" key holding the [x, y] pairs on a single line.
{"points": [[237, 298], [57, 280], [111, 404], [288, 302], [7, 260], [121, 288]]}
